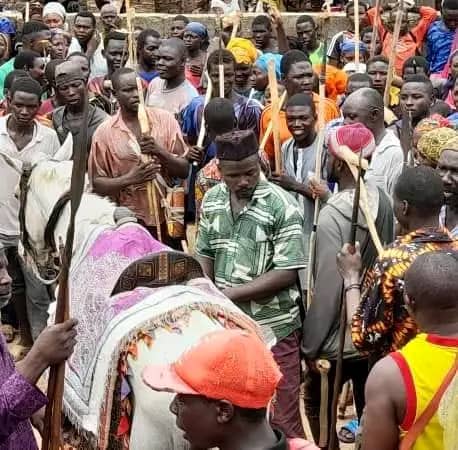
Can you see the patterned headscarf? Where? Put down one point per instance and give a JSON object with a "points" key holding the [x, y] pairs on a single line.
{"points": [[452, 144], [432, 143], [356, 137], [243, 50], [431, 123]]}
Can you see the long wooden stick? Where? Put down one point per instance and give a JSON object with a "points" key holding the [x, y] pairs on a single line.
{"points": [[151, 186], [268, 132], [375, 28], [52, 437], [391, 65], [208, 96], [27, 12], [130, 12], [273, 87], [220, 59], [202, 129], [318, 163], [357, 34]]}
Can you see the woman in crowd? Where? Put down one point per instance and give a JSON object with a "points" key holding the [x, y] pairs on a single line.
{"points": [[195, 38], [245, 55], [260, 79]]}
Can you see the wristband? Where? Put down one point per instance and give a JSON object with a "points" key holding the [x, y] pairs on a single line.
{"points": [[352, 286]]}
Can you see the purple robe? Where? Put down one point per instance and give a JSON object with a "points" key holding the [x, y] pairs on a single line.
{"points": [[18, 401]]}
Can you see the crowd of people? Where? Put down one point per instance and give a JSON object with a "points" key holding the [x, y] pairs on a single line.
{"points": [[269, 201]]}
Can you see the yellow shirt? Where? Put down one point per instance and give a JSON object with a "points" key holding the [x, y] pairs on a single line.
{"points": [[424, 362]]}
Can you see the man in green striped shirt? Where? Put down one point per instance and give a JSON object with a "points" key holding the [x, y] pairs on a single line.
{"points": [[250, 242]]}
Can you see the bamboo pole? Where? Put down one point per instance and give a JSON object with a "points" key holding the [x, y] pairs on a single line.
{"points": [[273, 87], [151, 186], [396, 31]]}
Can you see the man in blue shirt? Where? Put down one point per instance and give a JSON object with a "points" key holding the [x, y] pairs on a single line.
{"points": [[439, 38]]}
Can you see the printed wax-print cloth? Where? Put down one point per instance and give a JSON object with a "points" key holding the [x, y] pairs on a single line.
{"points": [[382, 323]]}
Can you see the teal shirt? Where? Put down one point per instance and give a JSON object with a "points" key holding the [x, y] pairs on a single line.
{"points": [[5, 69]]}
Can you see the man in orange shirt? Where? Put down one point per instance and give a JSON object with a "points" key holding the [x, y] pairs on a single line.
{"points": [[411, 37], [297, 72]]}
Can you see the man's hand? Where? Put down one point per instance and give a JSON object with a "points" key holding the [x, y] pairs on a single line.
{"points": [[196, 70], [53, 346], [275, 17], [144, 172], [349, 263], [195, 154], [93, 43], [285, 181], [38, 420], [148, 145], [318, 188]]}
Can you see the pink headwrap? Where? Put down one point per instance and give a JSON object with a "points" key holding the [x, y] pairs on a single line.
{"points": [[356, 137]]}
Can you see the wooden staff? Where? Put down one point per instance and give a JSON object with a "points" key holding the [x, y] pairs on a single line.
{"points": [[52, 435], [396, 31], [208, 96], [375, 28], [318, 161], [268, 132], [130, 12], [220, 59], [357, 35], [343, 311], [27, 12], [273, 87], [151, 186], [235, 26]]}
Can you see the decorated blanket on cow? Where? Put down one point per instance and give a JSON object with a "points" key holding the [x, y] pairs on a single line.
{"points": [[110, 325]]}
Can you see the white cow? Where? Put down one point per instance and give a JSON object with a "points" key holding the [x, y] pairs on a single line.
{"points": [[195, 308]]}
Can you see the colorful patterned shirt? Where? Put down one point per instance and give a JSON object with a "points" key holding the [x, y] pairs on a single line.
{"points": [[266, 235], [382, 323]]}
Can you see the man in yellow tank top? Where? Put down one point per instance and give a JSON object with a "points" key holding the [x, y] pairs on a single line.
{"points": [[401, 387]]}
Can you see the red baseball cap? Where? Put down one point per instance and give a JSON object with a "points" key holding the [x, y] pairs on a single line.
{"points": [[232, 365]]}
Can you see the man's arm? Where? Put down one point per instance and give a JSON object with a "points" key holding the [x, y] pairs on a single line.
{"points": [[428, 16], [265, 286], [385, 404], [324, 311], [19, 398], [207, 266]]}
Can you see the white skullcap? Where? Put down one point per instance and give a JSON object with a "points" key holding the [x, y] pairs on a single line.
{"points": [[54, 8]]}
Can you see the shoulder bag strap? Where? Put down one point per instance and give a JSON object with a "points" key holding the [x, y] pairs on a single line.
{"points": [[418, 427]]}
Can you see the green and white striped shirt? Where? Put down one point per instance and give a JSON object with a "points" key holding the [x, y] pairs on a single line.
{"points": [[266, 235]]}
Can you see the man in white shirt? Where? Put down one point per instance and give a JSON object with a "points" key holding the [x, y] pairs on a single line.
{"points": [[89, 41], [365, 106], [171, 91], [22, 140]]}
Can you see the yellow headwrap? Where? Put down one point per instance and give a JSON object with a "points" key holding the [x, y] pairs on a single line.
{"points": [[243, 50]]}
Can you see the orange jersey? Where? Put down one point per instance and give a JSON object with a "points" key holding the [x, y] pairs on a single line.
{"points": [[331, 111]]}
